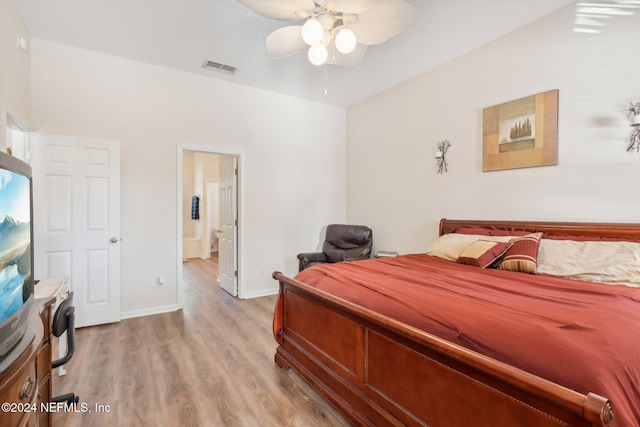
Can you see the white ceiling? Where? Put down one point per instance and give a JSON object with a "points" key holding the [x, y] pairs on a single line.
{"points": [[182, 34]]}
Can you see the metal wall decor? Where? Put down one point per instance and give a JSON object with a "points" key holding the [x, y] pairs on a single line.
{"points": [[634, 110], [441, 161]]}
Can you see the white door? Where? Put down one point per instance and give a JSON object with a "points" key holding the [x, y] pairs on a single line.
{"points": [[227, 266], [76, 183]]}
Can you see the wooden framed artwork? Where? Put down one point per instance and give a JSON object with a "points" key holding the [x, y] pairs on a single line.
{"points": [[521, 133]]}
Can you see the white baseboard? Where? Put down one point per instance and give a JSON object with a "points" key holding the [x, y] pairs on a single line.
{"points": [[149, 311], [170, 308], [259, 294]]}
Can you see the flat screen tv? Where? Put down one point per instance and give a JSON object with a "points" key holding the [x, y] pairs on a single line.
{"points": [[16, 257]]}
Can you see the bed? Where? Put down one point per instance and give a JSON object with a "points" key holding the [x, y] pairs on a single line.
{"points": [[419, 340]]}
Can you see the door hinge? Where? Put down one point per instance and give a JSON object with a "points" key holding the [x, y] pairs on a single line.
{"points": [[236, 171], [236, 222], [235, 273]]}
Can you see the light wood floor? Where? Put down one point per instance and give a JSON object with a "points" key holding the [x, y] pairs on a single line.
{"points": [[210, 364]]}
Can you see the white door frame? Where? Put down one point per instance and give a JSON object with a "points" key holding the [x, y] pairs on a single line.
{"points": [[241, 215]]}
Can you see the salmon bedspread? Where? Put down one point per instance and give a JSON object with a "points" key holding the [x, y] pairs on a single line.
{"points": [[584, 336]]}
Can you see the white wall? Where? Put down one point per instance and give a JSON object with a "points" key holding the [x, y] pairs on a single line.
{"points": [[391, 138], [14, 69], [292, 178]]}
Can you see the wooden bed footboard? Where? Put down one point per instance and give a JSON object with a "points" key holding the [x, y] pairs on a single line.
{"points": [[381, 372]]}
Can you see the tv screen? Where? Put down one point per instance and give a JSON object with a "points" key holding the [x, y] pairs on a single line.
{"points": [[16, 283]]}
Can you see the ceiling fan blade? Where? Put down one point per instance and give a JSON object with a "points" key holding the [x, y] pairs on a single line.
{"points": [[282, 10], [345, 60], [389, 18], [286, 41], [348, 6]]}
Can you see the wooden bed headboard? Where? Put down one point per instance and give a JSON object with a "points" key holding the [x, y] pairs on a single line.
{"points": [[616, 230]]}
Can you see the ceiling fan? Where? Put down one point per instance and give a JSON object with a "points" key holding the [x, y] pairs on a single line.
{"points": [[336, 31]]}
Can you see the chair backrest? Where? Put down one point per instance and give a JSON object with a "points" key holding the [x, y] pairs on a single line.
{"points": [[344, 242], [64, 321], [62, 315]]}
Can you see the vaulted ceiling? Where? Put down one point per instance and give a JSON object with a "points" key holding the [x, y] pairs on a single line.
{"points": [[183, 34]]}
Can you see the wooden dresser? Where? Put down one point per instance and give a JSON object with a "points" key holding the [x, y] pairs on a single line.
{"points": [[28, 381]]}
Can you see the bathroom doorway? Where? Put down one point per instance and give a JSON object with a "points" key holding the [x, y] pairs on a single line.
{"points": [[202, 235]]}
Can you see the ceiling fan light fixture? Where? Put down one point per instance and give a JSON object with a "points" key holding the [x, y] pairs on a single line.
{"points": [[345, 40], [318, 54], [312, 31], [344, 27]]}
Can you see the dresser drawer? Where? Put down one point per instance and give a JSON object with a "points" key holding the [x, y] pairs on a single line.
{"points": [[18, 395]]}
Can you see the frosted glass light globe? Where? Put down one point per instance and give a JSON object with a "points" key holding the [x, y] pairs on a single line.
{"points": [[312, 31], [318, 54], [345, 41]]}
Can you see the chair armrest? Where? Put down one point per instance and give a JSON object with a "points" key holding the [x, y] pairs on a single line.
{"points": [[313, 257], [310, 257]]}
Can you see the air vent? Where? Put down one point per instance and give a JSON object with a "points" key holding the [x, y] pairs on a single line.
{"points": [[224, 68]]}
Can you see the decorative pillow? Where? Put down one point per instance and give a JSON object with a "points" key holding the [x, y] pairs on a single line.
{"points": [[482, 253], [523, 254], [548, 236], [616, 263], [450, 246]]}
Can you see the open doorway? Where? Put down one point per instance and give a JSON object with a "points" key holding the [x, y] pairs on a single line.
{"points": [[208, 213]]}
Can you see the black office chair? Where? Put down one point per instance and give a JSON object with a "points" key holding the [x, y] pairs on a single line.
{"points": [[64, 321]]}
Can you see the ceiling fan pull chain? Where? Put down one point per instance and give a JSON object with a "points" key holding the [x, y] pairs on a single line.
{"points": [[326, 82]]}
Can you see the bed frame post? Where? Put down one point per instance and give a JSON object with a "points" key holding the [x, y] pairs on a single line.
{"points": [[278, 323], [278, 312], [599, 411]]}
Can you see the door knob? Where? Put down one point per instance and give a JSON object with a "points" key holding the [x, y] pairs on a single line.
{"points": [[218, 231], [114, 240]]}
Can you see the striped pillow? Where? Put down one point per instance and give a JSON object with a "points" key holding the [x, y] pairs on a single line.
{"points": [[482, 253], [522, 256]]}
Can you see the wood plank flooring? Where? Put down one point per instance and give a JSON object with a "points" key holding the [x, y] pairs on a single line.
{"points": [[210, 364]]}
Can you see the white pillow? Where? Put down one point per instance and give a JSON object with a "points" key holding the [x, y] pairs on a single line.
{"points": [[450, 246], [604, 262]]}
